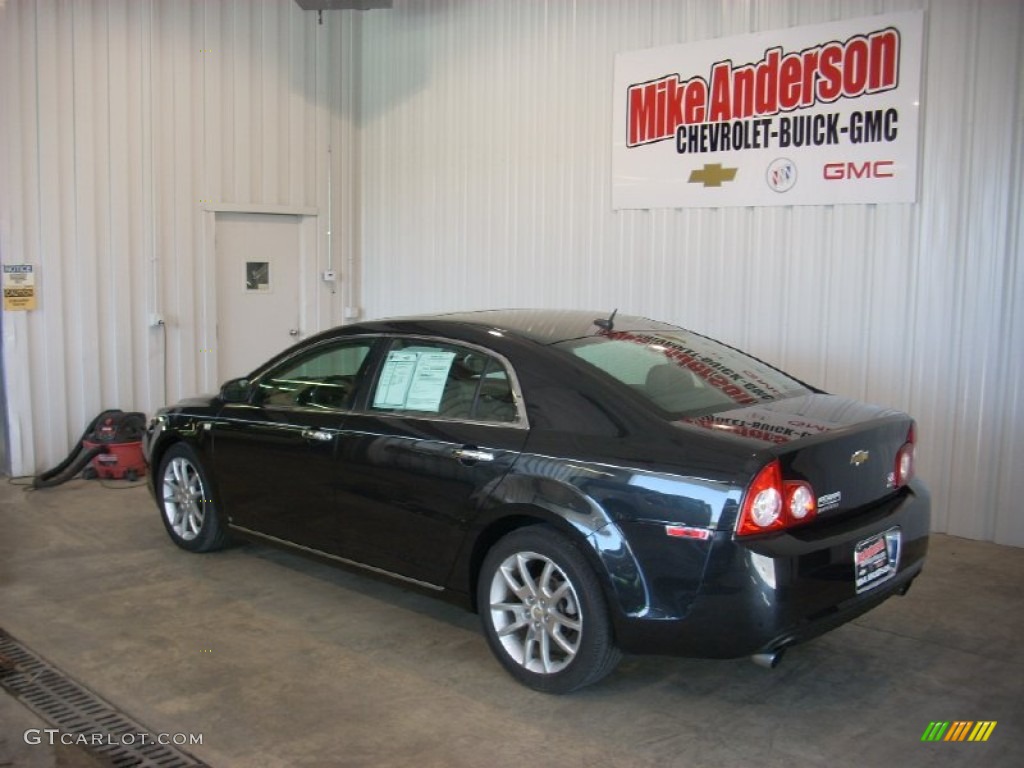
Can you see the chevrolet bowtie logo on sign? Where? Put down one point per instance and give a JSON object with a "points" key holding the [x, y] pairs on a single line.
{"points": [[959, 730], [712, 175]]}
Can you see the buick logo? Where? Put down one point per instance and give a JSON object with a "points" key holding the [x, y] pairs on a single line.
{"points": [[781, 175], [859, 458]]}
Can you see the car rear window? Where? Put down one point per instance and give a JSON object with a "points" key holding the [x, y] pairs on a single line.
{"points": [[684, 374]]}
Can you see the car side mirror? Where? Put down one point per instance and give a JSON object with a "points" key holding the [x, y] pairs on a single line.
{"points": [[236, 391]]}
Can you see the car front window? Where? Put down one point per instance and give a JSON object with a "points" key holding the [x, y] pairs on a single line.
{"points": [[323, 379], [684, 374]]}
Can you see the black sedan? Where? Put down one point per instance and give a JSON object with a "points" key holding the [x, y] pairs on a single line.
{"points": [[588, 485]]}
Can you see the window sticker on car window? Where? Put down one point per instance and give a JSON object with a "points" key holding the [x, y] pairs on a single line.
{"points": [[395, 379], [413, 380]]}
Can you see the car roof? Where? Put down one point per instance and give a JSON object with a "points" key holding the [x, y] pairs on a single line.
{"points": [[544, 326]]}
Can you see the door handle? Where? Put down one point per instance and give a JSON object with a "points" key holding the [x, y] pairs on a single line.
{"points": [[472, 454], [293, 332], [317, 434]]}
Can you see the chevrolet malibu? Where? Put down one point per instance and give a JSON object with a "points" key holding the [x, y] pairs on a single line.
{"points": [[589, 485]]}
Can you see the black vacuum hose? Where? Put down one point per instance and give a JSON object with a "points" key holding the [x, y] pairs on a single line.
{"points": [[72, 465], [75, 460]]}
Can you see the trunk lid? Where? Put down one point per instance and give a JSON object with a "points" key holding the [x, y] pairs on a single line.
{"points": [[845, 449]]}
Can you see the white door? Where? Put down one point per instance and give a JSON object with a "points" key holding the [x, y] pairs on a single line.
{"points": [[258, 266]]}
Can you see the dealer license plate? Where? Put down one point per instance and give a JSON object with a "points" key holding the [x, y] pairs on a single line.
{"points": [[876, 559]]}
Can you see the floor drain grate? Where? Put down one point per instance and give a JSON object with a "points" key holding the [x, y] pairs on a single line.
{"points": [[75, 710]]}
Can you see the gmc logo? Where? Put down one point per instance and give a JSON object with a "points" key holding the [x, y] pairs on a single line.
{"points": [[879, 169]]}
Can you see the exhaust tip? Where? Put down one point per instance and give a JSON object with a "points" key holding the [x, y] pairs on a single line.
{"points": [[769, 659]]}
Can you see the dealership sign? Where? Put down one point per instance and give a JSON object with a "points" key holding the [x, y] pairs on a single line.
{"points": [[803, 116]]}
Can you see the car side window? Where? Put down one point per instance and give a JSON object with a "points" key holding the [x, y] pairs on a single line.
{"points": [[443, 380], [325, 378]]}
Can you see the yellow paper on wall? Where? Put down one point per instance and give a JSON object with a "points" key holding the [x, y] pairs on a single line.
{"points": [[19, 287]]}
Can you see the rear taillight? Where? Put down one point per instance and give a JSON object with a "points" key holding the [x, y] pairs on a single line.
{"points": [[771, 504], [903, 472], [800, 500]]}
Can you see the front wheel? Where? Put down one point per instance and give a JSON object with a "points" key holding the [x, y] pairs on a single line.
{"points": [[186, 504], [543, 612]]}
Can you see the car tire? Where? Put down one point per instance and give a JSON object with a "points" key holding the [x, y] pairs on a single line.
{"points": [[186, 502], [544, 613]]}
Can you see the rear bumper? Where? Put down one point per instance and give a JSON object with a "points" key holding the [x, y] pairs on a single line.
{"points": [[766, 593]]}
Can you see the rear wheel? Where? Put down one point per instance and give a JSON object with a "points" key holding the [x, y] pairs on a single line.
{"points": [[186, 503], [543, 612]]}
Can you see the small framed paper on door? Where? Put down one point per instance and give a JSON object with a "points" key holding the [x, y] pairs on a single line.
{"points": [[257, 276]]}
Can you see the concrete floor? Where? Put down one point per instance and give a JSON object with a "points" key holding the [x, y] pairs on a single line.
{"points": [[278, 661]]}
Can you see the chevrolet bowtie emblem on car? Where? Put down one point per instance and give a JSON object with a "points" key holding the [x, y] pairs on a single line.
{"points": [[859, 458], [712, 175]]}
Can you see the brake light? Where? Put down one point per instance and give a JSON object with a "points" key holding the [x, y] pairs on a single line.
{"points": [[801, 500], [772, 505], [904, 470]]}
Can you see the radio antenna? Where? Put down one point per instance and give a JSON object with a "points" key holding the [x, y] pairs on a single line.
{"points": [[609, 324]]}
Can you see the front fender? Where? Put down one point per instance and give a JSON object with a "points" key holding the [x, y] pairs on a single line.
{"points": [[166, 429]]}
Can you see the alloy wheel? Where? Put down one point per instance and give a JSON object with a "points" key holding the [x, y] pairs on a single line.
{"points": [[536, 613], [184, 498]]}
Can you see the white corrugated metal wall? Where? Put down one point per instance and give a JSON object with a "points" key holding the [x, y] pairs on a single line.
{"points": [[486, 182], [471, 143], [122, 125]]}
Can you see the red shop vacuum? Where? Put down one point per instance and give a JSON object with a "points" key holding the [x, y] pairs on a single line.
{"points": [[111, 446]]}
